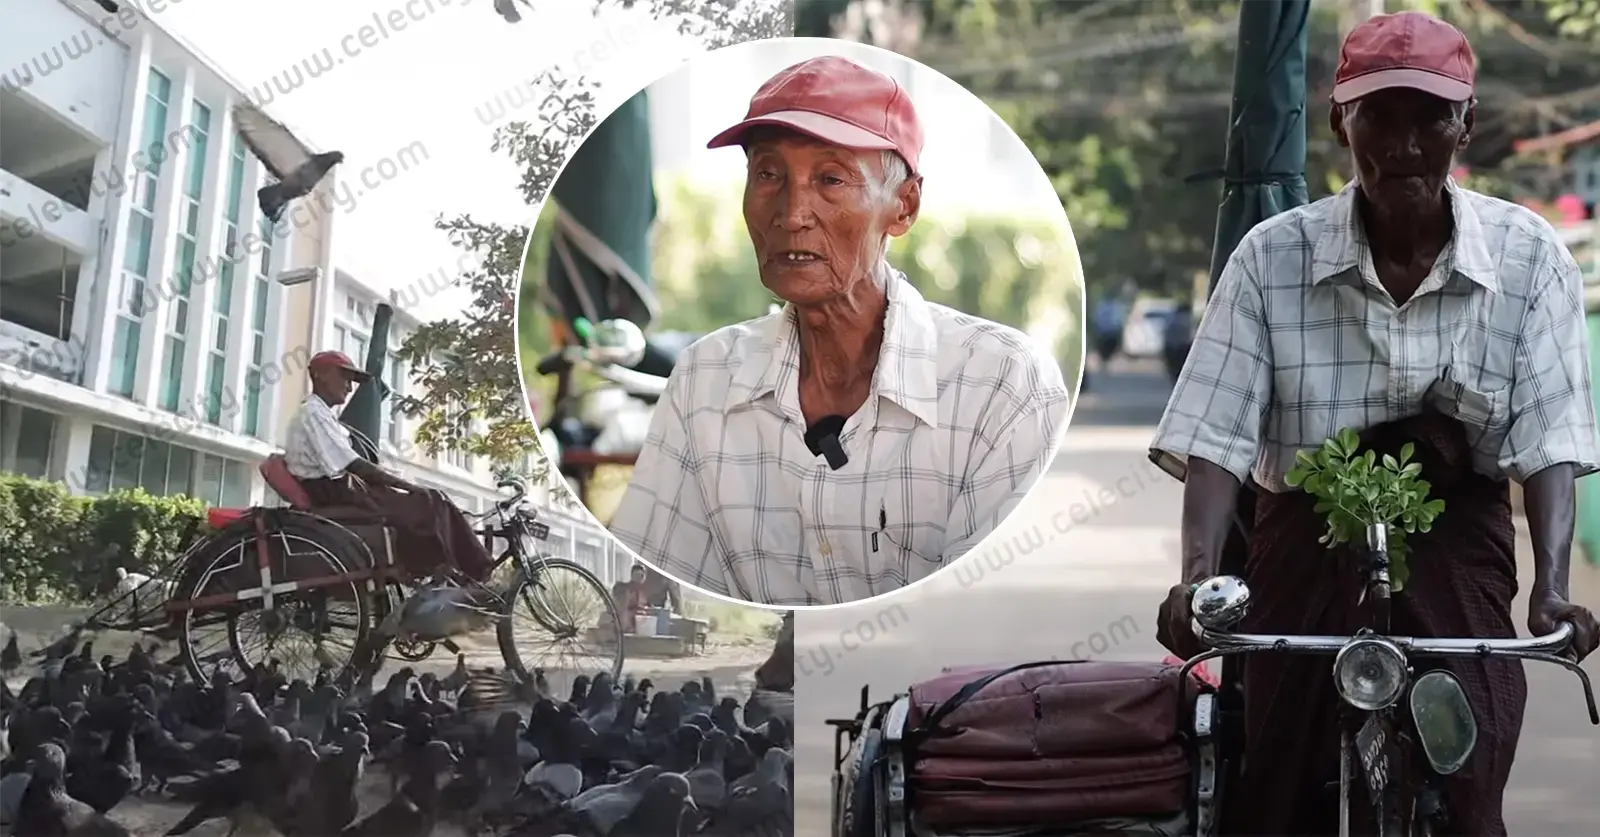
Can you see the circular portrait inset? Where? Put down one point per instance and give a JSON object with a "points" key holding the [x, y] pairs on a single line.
{"points": [[800, 322]]}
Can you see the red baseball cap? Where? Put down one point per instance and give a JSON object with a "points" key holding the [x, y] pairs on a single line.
{"points": [[337, 360], [1408, 49], [839, 102]]}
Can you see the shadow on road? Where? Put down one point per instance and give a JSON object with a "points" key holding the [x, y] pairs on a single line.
{"points": [[1130, 393]]}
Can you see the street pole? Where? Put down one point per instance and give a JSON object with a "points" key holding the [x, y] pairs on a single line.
{"points": [[1374, 8]]}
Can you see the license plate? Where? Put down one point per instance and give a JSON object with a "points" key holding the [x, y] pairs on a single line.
{"points": [[1372, 749]]}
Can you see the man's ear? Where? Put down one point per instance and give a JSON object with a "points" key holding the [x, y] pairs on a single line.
{"points": [[908, 201], [1336, 122]]}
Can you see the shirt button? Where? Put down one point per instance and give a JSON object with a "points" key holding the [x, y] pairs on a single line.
{"points": [[822, 546]]}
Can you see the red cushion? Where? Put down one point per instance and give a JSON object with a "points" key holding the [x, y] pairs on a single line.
{"points": [[275, 470], [223, 518]]}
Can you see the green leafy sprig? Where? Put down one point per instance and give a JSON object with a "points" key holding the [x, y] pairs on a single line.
{"points": [[1356, 489]]}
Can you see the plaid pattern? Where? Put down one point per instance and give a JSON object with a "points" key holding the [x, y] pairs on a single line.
{"points": [[319, 445], [1300, 340], [962, 420]]}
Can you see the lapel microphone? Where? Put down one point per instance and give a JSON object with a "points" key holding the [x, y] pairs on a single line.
{"points": [[833, 451], [823, 440]]}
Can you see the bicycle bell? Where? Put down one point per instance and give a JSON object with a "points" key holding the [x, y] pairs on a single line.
{"points": [[617, 343], [1220, 602]]}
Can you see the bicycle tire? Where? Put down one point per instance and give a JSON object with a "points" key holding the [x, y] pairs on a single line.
{"points": [[506, 631]]}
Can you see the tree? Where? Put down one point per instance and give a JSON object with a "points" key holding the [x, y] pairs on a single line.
{"points": [[471, 396], [1123, 102]]}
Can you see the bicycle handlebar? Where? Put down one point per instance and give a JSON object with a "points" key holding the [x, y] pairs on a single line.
{"points": [[1552, 643], [636, 382]]}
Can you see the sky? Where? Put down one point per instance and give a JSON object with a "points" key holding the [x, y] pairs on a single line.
{"points": [[971, 159], [439, 81], [456, 71]]}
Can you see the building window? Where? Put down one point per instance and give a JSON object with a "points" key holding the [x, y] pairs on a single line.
{"points": [[135, 276], [395, 421], [262, 288], [457, 457], [30, 451], [222, 301], [224, 482], [187, 252], [119, 460]]}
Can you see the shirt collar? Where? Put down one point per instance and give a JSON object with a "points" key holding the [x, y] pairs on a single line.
{"points": [[908, 361], [1338, 249]]}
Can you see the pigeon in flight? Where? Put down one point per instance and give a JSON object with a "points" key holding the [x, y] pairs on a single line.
{"points": [[508, 9], [297, 170]]}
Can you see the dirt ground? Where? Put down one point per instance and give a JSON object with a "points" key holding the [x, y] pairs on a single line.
{"points": [[730, 661]]}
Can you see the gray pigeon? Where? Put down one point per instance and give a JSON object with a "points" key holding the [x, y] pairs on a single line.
{"points": [[297, 170], [508, 9]]}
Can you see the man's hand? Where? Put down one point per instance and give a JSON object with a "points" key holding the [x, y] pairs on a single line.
{"points": [[1547, 610], [1174, 626]]}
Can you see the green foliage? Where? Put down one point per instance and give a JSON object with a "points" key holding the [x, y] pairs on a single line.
{"points": [[1578, 19], [1121, 102], [1356, 489], [55, 545], [471, 397]]}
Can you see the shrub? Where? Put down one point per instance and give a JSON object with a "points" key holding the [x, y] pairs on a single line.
{"points": [[55, 546]]}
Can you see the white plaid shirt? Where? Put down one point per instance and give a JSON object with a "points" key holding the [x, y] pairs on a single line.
{"points": [[1300, 340], [319, 444], [961, 421]]}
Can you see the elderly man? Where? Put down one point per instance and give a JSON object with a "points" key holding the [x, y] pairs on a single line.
{"points": [[1415, 311], [860, 438], [320, 455]]}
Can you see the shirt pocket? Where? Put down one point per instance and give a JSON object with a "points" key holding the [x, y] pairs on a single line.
{"points": [[907, 536], [1479, 409]]}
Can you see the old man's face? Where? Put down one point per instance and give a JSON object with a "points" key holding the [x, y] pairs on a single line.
{"points": [[1403, 142], [818, 215]]}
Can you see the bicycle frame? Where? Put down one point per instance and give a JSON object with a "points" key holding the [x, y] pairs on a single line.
{"points": [[1221, 602]]}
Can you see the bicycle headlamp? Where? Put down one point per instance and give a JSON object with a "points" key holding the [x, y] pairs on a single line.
{"points": [[1370, 673]]}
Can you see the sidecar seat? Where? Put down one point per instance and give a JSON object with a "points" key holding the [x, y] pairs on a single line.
{"points": [[378, 537]]}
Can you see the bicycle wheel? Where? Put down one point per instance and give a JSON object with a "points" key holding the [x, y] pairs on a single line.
{"points": [[563, 623], [310, 627]]}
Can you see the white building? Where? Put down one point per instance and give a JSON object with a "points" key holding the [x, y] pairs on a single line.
{"points": [[137, 311], [144, 340]]}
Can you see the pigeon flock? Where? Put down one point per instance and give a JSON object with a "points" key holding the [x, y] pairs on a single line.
{"points": [[477, 751]]}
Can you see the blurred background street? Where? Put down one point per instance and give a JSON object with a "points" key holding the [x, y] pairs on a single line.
{"points": [[1100, 536]]}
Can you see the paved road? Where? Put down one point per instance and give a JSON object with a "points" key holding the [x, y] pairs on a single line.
{"points": [[1078, 571]]}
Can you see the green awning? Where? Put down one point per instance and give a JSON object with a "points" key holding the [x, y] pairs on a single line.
{"points": [[1264, 170], [605, 203]]}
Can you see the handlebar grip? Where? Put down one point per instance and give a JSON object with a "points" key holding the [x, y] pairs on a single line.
{"points": [[553, 364]]}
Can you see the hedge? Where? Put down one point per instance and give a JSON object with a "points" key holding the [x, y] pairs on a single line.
{"points": [[55, 546]]}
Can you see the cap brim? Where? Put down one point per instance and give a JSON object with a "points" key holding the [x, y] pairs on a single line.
{"points": [[1445, 88], [815, 125]]}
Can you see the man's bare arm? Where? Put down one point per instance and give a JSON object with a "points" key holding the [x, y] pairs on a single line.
{"points": [[1210, 497], [1551, 501]]}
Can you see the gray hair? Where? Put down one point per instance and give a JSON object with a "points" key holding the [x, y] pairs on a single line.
{"points": [[894, 172]]}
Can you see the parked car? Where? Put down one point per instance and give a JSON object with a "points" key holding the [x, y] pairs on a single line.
{"points": [[1146, 328]]}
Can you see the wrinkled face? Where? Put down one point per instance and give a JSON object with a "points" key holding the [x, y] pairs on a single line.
{"points": [[818, 215], [332, 384], [1403, 143]]}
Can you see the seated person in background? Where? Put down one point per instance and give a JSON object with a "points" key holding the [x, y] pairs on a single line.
{"points": [[431, 530], [660, 591], [629, 597], [644, 589]]}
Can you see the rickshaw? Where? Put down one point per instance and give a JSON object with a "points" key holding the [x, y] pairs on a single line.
{"points": [[298, 576], [1085, 747]]}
